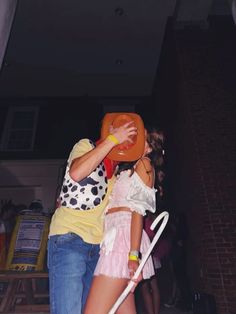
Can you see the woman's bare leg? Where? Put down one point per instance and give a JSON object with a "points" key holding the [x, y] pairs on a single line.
{"points": [[128, 306], [103, 294]]}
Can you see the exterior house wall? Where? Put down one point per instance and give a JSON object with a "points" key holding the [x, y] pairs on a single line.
{"points": [[25, 180]]}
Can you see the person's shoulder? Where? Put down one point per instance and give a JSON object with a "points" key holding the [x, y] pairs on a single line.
{"points": [[145, 170], [145, 161], [84, 143], [80, 148], [143, 165]]}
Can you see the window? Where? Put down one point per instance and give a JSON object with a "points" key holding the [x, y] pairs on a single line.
{"points": [[20, 128]]}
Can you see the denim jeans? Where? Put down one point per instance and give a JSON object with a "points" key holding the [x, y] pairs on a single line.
{"points": [[71, 263]]}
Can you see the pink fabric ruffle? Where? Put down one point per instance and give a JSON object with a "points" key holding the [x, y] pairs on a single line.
{"points": [[113, 260]]}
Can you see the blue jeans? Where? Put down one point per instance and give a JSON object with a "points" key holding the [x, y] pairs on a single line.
{"points": [[71, 263]]}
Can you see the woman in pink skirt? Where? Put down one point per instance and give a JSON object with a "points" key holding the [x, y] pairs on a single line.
{"points": [[125, 241]]}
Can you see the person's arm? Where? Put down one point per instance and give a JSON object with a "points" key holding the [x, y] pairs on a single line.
{"points": [[146, 173], [82, 166], [135, 240]]}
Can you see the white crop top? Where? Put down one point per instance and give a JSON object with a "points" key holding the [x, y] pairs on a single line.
{"points": [[131, 191]]}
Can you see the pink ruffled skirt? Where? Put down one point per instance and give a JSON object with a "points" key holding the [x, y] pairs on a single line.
{"points": [[115, 247]]}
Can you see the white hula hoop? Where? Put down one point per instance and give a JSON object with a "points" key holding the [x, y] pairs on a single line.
{"points": [[165, 216]]}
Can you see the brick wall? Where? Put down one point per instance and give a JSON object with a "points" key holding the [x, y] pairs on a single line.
{"points": [[197, 85], [205, 139]]}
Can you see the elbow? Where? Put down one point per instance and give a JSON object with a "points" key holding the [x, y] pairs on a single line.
{"points": [[75, 171], [77, 175], [73, 175]]}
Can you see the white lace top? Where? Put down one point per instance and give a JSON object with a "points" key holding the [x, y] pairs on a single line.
{"points": [[131, 191]]}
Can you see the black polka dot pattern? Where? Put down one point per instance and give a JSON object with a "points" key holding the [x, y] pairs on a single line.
{"points": [[87, 193]]}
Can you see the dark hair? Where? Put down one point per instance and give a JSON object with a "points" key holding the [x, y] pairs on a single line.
{"points": [[155, 139], [125, 165]]}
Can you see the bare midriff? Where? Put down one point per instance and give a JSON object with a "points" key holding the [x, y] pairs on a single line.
{"points": [[118, 209]]}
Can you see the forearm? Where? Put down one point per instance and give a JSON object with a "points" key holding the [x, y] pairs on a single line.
{"points": [[136, 231], [81, 167], [135, 241]]}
